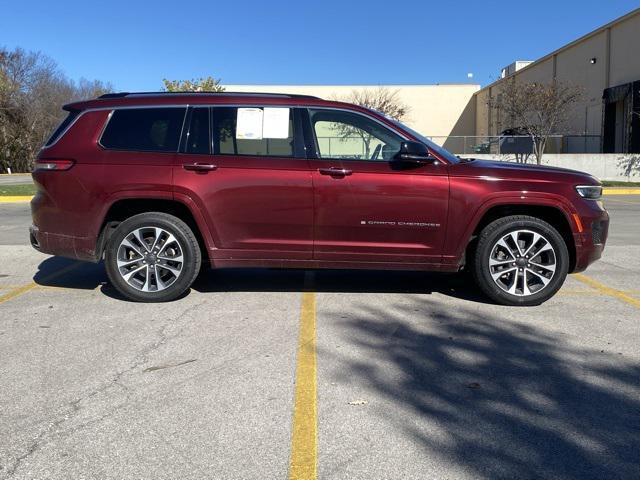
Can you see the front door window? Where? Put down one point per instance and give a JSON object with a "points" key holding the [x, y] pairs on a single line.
{"points": [[349, 136]]}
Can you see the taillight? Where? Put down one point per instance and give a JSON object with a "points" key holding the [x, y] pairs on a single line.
{"points": [[53, 164]]}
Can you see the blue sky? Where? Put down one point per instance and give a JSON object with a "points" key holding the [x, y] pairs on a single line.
{"points": [[136, 44]]}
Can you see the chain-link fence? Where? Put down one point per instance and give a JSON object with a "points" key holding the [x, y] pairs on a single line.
{"points": [[517, 144], [467, 145]]}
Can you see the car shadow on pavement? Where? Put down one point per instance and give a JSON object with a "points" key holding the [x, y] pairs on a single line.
{"points": [[498, 398], [65, 273], [62, 272], [339, 281]]}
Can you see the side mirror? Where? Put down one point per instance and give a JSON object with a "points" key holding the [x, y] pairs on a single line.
{"points": [[414, 152]]}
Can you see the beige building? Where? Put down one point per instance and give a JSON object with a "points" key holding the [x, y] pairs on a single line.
{"points": [[439, 111], [605, 62]]}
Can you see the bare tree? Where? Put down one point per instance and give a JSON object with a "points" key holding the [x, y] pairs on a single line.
{"points": [[32, 92], [380, 99], [208, 84], [536, 109]]}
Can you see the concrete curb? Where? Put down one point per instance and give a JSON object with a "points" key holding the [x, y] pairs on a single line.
{"points": [[16, 199]]}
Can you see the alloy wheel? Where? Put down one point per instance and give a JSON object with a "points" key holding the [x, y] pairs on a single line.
{"points": [[522, 262], [150, 259]]}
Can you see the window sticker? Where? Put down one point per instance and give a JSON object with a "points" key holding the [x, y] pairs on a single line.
{"points": [[275, 123], [249, 124]]}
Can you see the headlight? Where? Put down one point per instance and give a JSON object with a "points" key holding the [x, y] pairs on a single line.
{"points": [[592, 192]]}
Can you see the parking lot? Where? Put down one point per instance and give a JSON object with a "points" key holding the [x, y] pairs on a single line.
{"points": [[418, 376]]}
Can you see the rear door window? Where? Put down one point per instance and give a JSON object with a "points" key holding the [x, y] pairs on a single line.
{"points": [[253, 131], [144, 129]]}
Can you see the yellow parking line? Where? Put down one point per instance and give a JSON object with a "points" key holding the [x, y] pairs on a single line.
{"points": [[589, 291], [303, 464], [602, 288], [16, 292], [621, 191], [15, 198]]}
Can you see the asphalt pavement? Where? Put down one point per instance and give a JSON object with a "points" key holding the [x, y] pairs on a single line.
{"points": [[16, 179], [418, 375]]}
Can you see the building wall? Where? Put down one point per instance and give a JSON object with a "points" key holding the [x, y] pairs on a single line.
{"points": [[573, 66], [625, 57], [615, 48], [482, 112], [605, 166], [436, 111]]}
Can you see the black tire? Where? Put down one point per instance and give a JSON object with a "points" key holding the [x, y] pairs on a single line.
{"points": [[186, 245], [497, 230]]}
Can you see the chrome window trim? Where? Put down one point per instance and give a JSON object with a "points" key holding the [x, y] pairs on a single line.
{"points": [[104, 127], [64, 132], [211, 105]]}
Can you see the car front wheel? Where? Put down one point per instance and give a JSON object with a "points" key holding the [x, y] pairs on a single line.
{"points": [[520, 260], [152, 257]]}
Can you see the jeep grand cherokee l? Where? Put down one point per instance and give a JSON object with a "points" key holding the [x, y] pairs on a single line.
{"points": [[159, 183]]}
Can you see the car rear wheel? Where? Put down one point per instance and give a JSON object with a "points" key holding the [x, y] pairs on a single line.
{"points": [[520, 260], [152, 257]]}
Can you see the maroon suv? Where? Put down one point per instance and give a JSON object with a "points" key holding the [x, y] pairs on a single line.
{"points": [[155, 183]]}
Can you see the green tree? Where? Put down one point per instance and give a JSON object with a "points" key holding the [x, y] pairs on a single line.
{"points": [[208, 84]]}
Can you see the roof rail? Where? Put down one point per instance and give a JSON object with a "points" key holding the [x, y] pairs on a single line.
{"points": [[253, 94], [114, 95]]}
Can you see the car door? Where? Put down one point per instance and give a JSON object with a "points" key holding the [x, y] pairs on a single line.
{"points": [[368, 207], [255, 191]]}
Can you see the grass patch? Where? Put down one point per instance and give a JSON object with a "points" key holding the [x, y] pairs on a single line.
{"points": [[17, 190], [616, 183]]}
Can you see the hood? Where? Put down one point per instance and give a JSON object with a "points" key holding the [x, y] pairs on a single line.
{"points": [[507, 170]]}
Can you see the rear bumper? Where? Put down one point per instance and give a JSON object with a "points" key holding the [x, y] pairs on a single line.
{"points": [[591, 242], [79, 248]]}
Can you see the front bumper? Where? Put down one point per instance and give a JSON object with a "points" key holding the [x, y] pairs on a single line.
{"points": [[591, 241]]}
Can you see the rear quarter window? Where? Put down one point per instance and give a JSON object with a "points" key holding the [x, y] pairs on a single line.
{"points": [[144, 129], [73, 114]]}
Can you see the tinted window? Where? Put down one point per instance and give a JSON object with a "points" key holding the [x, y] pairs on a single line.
{"points": [[226, 140], [145, 129], [198, 140], [352, 136], [63, 126]]}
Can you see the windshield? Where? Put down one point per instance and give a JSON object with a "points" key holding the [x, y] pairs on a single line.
{"points": [[432, 146]]}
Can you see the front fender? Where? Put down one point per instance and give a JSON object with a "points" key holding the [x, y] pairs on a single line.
{"points": [[461, 227]]}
